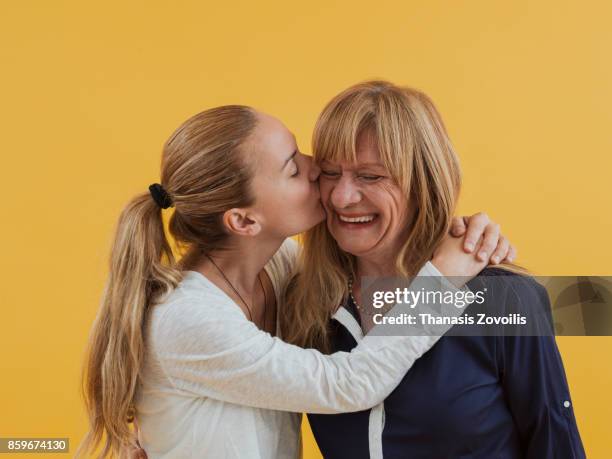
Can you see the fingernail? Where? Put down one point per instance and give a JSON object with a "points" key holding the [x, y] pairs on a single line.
{"points": [[495, 259], [510, 258], [469, 246], [482, 255]]}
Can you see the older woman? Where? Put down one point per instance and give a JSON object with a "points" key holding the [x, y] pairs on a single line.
{"points": [[389, 185]]}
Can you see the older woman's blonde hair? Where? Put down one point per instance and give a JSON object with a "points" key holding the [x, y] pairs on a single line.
{"points": [[415, 148]]}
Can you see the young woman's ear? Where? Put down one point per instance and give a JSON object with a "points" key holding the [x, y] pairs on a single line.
{"points": [[241, 223]]}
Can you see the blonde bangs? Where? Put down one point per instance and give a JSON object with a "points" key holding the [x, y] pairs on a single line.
{"points": [[366, 109], [342, 120]]}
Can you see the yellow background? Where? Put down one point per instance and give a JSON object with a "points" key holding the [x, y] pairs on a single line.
{"points": [[90, 91]]}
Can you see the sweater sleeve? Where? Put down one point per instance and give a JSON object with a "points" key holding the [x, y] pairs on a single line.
{"points": [[535, 383], [208, 350]]}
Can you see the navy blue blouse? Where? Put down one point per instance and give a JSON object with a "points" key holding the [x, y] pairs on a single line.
{"points": [[468, 397]]}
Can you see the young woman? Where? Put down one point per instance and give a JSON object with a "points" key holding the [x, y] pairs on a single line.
{"points": [[186, 346], [387, 161]]}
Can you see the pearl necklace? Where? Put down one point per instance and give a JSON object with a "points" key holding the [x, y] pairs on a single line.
{"points": [[361, 308]]}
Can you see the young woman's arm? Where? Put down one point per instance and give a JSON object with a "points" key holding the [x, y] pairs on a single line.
{"points": [[211, 350]]}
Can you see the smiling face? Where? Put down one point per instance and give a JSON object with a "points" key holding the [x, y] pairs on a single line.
{"points": [[367, 212], [287, 200]]}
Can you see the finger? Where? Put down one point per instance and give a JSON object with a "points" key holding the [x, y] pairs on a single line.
{"points": [[502, 250], [458, 226], [475, 228], [511, 256], [489, 242]]}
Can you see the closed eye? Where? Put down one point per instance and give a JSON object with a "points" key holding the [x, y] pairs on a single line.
{"points": [[330, 174], [370, 178]]}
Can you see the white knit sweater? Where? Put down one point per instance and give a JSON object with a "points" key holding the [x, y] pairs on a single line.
{"points": [[215, 386]]}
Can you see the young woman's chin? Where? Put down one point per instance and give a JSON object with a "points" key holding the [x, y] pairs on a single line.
{"points": [[307, 219], [317, 216]]}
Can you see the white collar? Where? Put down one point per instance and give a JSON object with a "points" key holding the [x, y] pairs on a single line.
{"points": [[349, 322]]}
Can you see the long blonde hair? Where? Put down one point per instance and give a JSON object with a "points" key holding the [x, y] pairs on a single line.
{"points": [[204, 172], [415, 148]]}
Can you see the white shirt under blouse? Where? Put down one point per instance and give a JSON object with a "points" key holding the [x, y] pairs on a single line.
{"points": [[216, 386]]}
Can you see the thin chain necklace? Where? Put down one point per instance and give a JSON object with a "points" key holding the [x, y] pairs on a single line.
{"points": [[361, 308], [240, 296]]}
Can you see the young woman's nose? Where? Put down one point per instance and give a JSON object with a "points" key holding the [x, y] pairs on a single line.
{"points": [[314, 172], [345, 193]]}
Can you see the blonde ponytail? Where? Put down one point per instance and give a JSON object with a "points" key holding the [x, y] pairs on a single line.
{"points": [[205, 172]]}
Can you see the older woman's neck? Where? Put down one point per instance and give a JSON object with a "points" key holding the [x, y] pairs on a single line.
{"points": [[376, 267]]}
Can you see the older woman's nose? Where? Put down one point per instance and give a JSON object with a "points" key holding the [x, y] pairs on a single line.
{"points": [[345, 193]]}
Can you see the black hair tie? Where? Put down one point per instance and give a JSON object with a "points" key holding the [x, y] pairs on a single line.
{"points": [[160, 196]]}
